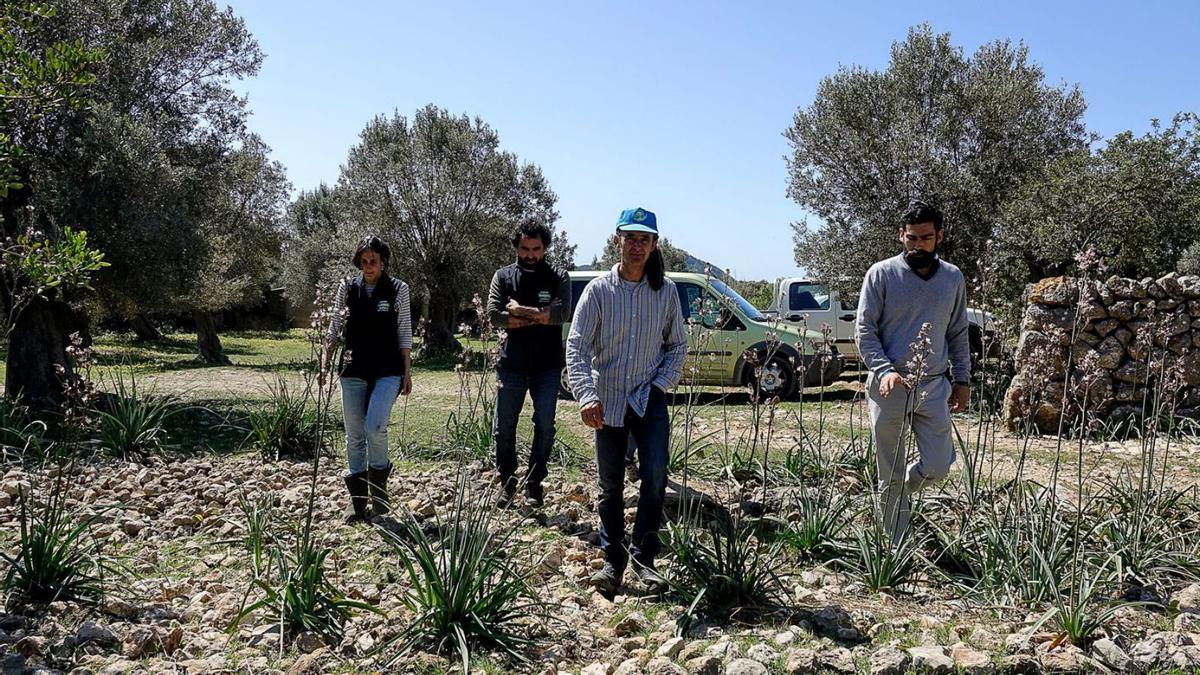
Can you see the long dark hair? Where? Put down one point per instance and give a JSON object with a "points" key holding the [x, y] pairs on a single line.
{"points": [[655, 269]]}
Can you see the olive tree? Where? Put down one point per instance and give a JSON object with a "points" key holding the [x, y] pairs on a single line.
{"points": [[1134, 200], [39, 78], [154, 167], [963, 132], [444, 195], [313, 247]]}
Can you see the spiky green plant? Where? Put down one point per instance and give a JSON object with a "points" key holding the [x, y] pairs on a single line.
{"points": [[21, 436], [1074, 609], [288, 425], [259, 513], [724, 566], [56, 558], [819, 520], [469, 434], [298, 595], [1154, 535], [469, 590], [880, 565], [132, 424]]}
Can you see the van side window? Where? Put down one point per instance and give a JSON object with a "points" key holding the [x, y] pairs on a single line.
{"points": [[802, 296], [688, 298]]}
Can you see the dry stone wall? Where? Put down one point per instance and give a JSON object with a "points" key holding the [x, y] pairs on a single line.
{"points": [[1123, 341]]}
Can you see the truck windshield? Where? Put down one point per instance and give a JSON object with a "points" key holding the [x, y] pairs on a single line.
{"points": [[751, 312]]}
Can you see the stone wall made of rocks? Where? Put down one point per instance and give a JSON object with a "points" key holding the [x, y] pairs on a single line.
{"points": [[1132, 338]]}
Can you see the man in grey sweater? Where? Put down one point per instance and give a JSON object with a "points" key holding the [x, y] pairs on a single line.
{"points": [[913, 338]]}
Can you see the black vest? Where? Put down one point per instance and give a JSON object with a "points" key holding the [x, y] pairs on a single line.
{"points": [[372, 335], [533, 348]]}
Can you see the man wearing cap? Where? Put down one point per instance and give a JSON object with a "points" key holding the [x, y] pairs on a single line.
{"points": [[625, 350]]}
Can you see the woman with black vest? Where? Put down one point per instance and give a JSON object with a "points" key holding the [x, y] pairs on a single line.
{"points": [[371, 314]]}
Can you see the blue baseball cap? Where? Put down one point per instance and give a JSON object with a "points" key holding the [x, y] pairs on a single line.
{"points": [[637, 220]]}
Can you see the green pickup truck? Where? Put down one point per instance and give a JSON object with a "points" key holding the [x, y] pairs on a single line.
{"points": [[729, 330]]}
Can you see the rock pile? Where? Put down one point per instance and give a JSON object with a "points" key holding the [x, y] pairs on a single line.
{"points": [[1122, 340]]}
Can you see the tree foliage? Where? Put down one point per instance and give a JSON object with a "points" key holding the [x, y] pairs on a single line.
{"points": [[39, 79], [962, 132], [160, 166], [35, 79], [1189, 262], [438, 188], [1135, 201], [315, 247]]}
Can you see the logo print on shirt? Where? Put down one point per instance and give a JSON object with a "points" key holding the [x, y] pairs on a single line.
{"points": [[383, 306], [544, 297]]}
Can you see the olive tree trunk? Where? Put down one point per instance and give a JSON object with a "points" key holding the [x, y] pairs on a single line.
{"points": [[207, 339], [37, 365], [143, 329], [441, 310]]}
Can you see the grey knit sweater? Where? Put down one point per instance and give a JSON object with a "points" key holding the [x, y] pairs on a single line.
{"points": [[895, 302]]}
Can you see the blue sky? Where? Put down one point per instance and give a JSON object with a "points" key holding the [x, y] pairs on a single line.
{"points": [[678, 107]]}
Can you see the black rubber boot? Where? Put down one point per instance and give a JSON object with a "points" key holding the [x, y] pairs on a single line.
{"points": [[356, 484], [380, 502]]}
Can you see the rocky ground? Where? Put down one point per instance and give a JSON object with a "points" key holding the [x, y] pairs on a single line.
{"points": [[176, 527]]}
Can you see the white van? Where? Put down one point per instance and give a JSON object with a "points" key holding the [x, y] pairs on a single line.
{"points": [[803, 301]]}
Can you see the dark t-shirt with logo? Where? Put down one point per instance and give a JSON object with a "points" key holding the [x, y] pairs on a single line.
{"points": [[533, 348]]}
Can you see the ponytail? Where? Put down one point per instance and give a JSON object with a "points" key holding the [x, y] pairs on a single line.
{"points": [[655, 269]]}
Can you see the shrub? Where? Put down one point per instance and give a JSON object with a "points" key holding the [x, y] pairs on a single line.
{"points": [[287, 425], [468, 591], [722, 566], [56, 557], [1189, 262], [132, 424]]}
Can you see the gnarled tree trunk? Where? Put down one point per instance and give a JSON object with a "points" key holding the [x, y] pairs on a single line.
{"points": [[207, 339], [439, 340], [144, 329], [37, 349]]}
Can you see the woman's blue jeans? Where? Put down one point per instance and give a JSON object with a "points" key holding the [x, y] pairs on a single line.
{"points": [[366, 410]]}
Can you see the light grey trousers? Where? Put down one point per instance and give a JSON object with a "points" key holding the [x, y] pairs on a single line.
{"points": [[898, 479]]}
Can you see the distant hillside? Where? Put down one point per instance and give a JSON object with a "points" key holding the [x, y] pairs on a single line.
{"points": [[695, 264]]}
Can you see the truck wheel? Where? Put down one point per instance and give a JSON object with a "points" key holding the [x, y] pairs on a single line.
{"points": [[778, 378], [564, 386]]}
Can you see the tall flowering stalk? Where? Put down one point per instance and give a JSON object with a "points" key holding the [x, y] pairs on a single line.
{"points": [[916, 369]]}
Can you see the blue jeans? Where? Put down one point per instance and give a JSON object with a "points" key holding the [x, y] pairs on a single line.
{"points": [[511, 386], [652, 433], [366, 409]]}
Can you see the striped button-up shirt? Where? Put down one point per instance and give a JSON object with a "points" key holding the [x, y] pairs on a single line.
{"points": [[625, 338]]}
